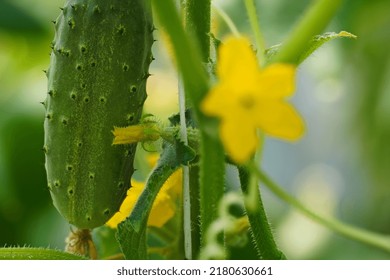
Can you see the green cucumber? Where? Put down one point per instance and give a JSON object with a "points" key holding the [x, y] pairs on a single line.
{"points": [[96, 80]]}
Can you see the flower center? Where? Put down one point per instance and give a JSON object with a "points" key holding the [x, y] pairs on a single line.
{"points": [[247, 101]]}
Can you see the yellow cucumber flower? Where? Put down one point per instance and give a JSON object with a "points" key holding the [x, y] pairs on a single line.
{"points": [[164, 206], [247, 98]]}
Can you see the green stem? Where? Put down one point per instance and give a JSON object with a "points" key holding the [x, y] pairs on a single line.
{"points": [[312, 23], [197, 21], [371, 238], [167, 235], [36, 254], [255, 24], [189, 62], [195, 210], [188, 57], [227, 20], [212, 155], [212, 171], [260, 229], [186, 177]]}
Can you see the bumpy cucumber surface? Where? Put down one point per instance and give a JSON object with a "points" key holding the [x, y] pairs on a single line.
{"points": [[96, 80]]}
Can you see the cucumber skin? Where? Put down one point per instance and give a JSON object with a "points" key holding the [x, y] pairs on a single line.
{"points": [[96, 80]]}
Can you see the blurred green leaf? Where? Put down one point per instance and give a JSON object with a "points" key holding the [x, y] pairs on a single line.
{"points": [[14, 19], [370, 87], [24, 183]]}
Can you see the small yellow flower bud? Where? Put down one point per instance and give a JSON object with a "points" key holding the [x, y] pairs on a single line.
{"points": [[136, 133]]}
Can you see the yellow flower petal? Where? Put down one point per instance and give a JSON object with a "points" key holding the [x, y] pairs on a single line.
{"points": [[276, 81], [173, 186], [216, 102], [152, 159], [162, 211], [239, 138], [281, 120], [237, 65], [164, 206], [127, 205]]}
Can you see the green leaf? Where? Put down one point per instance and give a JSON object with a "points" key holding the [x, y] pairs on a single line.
{"points": [[132, 232], [14, 19], [175, 119], [315, 43], [314, 20], [26, 253]]}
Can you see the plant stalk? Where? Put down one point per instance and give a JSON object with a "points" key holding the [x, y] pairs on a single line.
{"points": [[196, 83], [361, 235], [197, 19], [261, 232], [255, 24], [186, 178], [312, 23]]}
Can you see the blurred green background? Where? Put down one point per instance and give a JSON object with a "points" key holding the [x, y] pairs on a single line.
{"points": [[340, 168]]}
